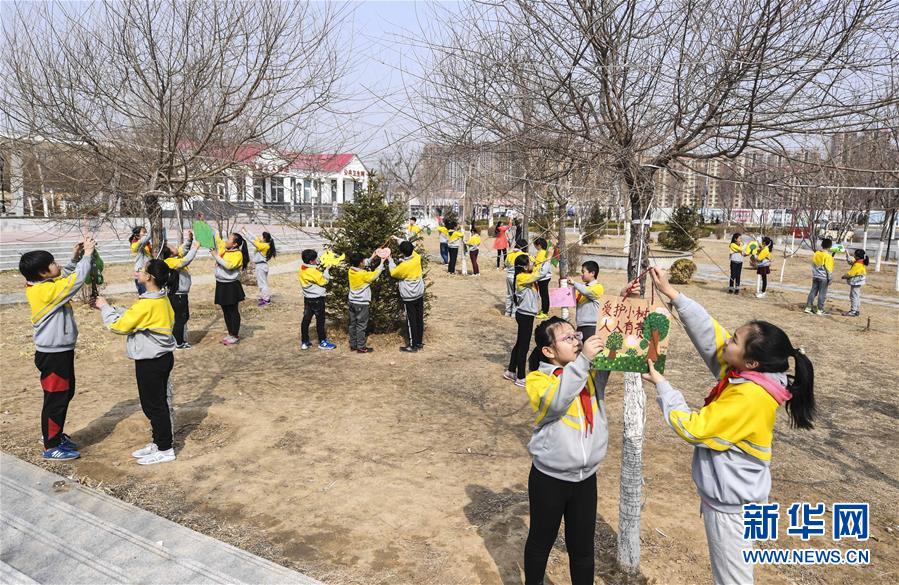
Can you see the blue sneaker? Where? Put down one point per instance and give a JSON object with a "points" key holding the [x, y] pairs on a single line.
{"points": [[61, 454], [326, 345], [68, 443]]}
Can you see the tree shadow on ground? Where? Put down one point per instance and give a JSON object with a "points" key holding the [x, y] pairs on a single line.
{"points": [[500, 518]]}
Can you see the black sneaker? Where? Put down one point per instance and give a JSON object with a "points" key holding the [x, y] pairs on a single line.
{"points": [[409, 349], [420, 347]]}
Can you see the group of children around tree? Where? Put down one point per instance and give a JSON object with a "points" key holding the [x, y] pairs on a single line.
{"points": [[732, 434], [822, 265]]}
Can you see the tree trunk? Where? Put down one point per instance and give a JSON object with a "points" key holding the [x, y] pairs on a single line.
{"points": [[653, 346], [154, 215], [612, 354], [631, 492], [179, 215]]}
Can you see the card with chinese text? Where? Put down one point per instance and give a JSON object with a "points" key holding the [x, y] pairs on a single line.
{"points": [[632, 330]]}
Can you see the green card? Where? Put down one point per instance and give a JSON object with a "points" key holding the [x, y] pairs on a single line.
{"points": [[204, 234]]}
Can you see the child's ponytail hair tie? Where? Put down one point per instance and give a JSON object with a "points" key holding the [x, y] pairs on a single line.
{"points": [[798, 351]]}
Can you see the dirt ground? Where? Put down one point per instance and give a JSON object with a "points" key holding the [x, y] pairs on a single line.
{"points": [[395, 468]]}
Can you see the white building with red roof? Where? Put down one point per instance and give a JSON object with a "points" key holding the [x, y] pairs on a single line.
{"points": [[293, 181]]}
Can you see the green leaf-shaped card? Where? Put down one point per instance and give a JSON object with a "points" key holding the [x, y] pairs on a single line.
{"points": [[204, 234]]}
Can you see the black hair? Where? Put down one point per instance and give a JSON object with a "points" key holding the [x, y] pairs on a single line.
{"points": [[450, 225], [135, 233], [308, 255], [165, 252], [32, 263], [268, 239], [733, 238], [521, 264], [770, 346], [766, 241], [540, 243], [860, 254], [591, 266], [242, 245], [826, 243], [356, 259], [544, 337], [406, 248], [413, 219], [521, 244], [162, 275]]}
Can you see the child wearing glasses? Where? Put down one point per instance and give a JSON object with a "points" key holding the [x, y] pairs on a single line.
{"points": [[568, 443]]}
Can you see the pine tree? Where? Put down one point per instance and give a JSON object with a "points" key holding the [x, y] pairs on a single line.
{"points": [[682, 232], [365, 225]]}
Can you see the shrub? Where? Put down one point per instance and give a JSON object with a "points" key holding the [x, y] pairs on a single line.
{"points": [[682, 231], [682, 271]]}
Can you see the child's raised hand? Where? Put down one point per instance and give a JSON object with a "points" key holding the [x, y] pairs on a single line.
{"points": [[660, 280], [99, 303], [653, 376], [89, 245], [592, 346], [195, 245]]}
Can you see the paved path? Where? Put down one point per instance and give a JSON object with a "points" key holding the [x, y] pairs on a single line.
{"points": [[54, 530], [711, 272]]}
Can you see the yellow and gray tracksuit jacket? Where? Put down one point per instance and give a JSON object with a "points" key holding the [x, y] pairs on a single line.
{"points": [[763, 258], [52, 316], [147, 323], [412, 230], [360, 283], [442, 234], [228, 263], [180, 263], [526, 300], [455, 238], [736, 252], [543, 265], [313, 280], [409, 274], [473, 243], [587, 301], [732, 436], [510, 263], [141, 253], [822, 265], [857, 273], [560, 445]]}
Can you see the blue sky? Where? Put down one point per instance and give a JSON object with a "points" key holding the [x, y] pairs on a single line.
{"points": [[386, 65]]}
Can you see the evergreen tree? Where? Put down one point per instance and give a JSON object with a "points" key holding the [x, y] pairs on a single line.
{"points": [[682, 232], [368, 223]]}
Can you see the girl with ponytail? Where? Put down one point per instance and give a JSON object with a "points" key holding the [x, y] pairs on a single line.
{"points": [[567, 445], [733, 432], [148, 324], [525, 302], [231, 258], [855, 278], [263, 251]]}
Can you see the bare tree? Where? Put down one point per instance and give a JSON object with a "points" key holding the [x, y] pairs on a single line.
{"points": [[654, 83], [165, 94]]}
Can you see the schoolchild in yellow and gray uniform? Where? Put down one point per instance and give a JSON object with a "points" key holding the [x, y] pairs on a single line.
{"points": [[587, 292], [263, 251], [313, 281], [412, 290], [525, 304], [142, 250], [178, 260], [443, 238], [413, 230], [733, 433], [360, 299], [763, 266], [543, 266], [148, 324], [855, 278], [736, 252], [567, 445], [474, 244], [520, 248], [231, 258], [822, 274], [49, 291], [454, 242]]}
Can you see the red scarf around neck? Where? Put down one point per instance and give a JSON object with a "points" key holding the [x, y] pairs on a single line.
{"points": [[776, 390], [586, 404]]}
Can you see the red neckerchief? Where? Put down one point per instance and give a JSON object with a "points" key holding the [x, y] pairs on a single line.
{"points": [[586, 404]]}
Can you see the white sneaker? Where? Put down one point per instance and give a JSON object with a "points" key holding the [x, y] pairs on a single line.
{"points": [[760, 295], [158, 457], [146, 451], [520, 382], [510, 376]]}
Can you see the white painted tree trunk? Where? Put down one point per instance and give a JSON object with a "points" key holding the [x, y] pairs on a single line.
{"points": [[631, 492], [879, 256]]}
